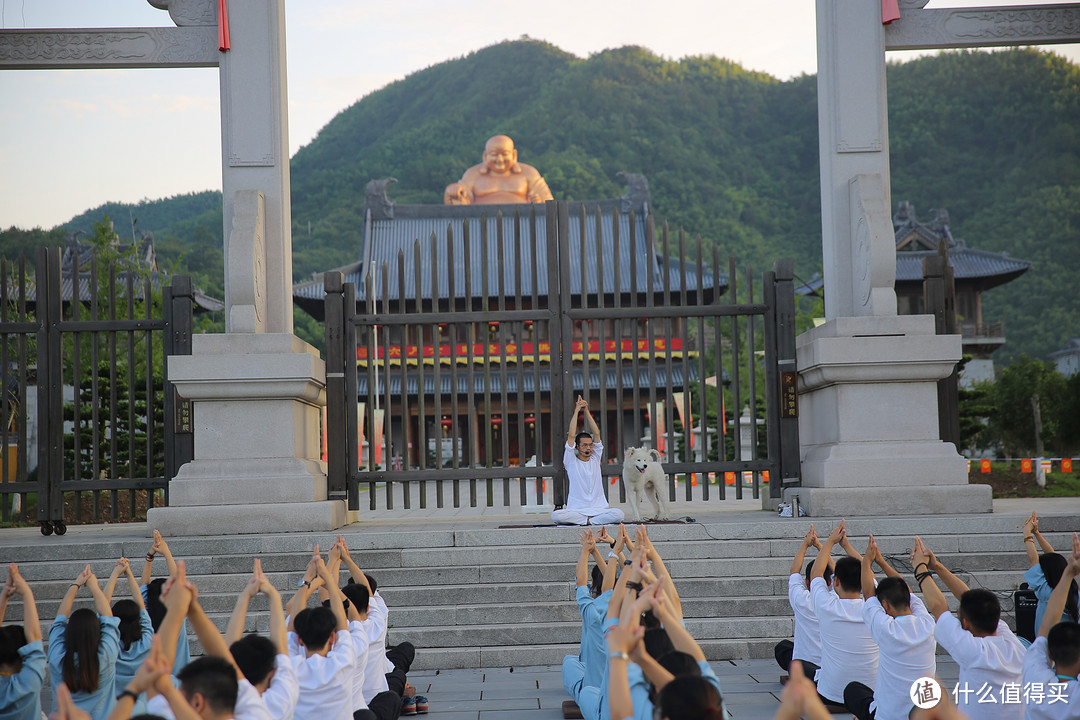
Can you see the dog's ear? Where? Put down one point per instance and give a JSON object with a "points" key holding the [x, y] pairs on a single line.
{"points": [[628, 452], [656, 455]]}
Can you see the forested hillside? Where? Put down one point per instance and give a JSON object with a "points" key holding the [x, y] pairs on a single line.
{"points": [[729, 154]]}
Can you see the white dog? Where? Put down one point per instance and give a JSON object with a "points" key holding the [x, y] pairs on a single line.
{"points": [[642, 472]]}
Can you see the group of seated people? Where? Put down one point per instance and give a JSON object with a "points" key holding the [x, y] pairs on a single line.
{"points": [[131, 659], [869, 647]]}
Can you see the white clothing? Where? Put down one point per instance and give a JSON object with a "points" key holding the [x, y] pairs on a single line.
{"points": [[280, 698], [586, 481], [249, 706], [906, 650], [610, 516], [326, 691], [359, 672], [374, 656], [1039, 673], [848, 652], [377, 605], [807, 634], [987, 665]]}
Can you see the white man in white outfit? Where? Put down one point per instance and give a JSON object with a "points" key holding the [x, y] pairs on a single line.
{"points": [[1052, 663], [904, 633], [848, 652], [586, 503], [989, 655]]}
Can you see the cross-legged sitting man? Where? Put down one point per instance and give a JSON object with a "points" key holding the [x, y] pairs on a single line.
{"points": [[586, 503], [848, 652]]}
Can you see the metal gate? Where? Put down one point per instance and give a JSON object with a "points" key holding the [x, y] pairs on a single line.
{"points": [[83, 358], [466, 353]]}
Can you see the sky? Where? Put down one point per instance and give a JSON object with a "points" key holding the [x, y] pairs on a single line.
{"points": [[71, 140]]}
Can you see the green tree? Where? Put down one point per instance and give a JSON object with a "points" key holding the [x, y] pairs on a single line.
{"points": [[1012, 422]]}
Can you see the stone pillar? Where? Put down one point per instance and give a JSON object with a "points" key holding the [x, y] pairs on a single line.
{"points": [[256, 390], [868, 404]]}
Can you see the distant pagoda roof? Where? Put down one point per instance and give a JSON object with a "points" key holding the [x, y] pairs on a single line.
{"points": [[916, 240], [76, 265], [392, 229]]}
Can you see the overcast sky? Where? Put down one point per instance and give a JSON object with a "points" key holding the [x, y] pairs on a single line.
{"points": [[74, 139]]}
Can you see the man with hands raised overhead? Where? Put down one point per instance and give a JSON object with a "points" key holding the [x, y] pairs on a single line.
{"points": [[987, 651], [848, 651], [904, 633]]}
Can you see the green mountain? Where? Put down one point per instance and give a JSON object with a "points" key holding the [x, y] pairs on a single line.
{"points": [[730, 155]]}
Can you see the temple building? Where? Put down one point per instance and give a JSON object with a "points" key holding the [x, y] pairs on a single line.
{"points": [[499, 259], [974, 272]]}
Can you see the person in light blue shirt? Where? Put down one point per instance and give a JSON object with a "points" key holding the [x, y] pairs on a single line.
{"points": [[136, 630], [151, 594], [22, 656], [83, 648], [587, 668], [1045, 572]]}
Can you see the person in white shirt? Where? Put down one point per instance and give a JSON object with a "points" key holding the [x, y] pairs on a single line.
{"points": [[807, 645], [904, 633], [988, 653], [264, 662], [848, 652], [325, 654], [586, 503], [1052, 663]]}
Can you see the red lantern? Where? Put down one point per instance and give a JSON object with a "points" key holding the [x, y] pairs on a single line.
{"points": [[446, 422], [496, 421], [530, 420]]}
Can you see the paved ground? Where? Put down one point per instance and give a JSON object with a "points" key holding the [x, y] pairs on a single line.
{"points": [[751, 690]]}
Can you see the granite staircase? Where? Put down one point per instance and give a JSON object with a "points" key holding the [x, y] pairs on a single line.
{"points": [[471, 596]]}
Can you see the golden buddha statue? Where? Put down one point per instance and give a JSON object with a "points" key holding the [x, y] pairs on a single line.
{"points": [[500, 178]]}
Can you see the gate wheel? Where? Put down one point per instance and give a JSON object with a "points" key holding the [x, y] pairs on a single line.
{"points": [[60, 527], [46, 528]]}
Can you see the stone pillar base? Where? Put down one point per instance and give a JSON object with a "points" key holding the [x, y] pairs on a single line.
{"points": [[930, 500], [256, 402], [868, 421]]}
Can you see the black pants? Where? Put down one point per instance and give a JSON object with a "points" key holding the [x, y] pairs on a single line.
{"points": [[782, 653], [857, 698], [384, 706], [402, 657]]}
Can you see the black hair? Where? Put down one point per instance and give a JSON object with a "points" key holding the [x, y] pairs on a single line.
{"points": [[597, 584], [691, 698], [344, 604], [315, 626], [130, 622], [146, 716], [212, 677], [657, 642], [679, 663], [826, 574], [371, 581], [981, 609], [582, 434], [1053, 566], [81, 639], [154, 606], [649, 620], [848, 572], [254, 655], [358, 595], [12, 637], [894, 591], [1063, 643]]}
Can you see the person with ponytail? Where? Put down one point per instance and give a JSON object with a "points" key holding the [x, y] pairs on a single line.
{"points": [[1045, 572], [22, 657], [136, 629], [83, 648]]}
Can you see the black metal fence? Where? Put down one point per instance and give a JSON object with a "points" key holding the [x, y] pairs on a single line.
{"points": [[456, 372], [87, 418]]}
